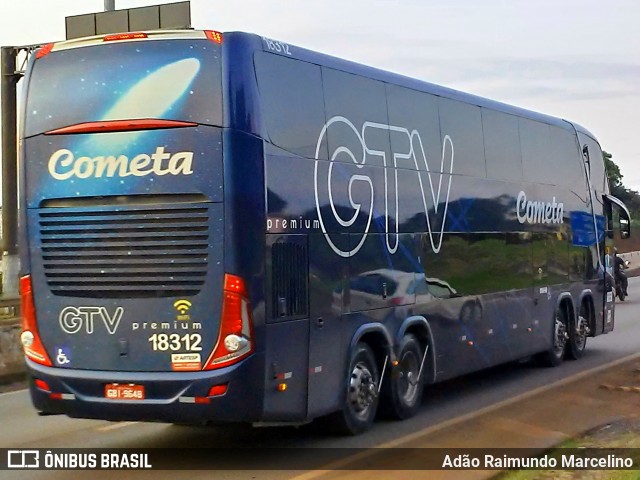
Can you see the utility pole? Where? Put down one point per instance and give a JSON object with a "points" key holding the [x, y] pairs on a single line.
{"points": [[10, 259], [109, 5]]}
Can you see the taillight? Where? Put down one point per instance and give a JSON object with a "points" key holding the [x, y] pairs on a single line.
{"points": [[30, 337], [213, 36], [235, 339], [125, 36]]}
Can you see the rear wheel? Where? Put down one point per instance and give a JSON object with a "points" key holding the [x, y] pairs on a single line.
{"points": [[406, 386], [361, 402], [553, 357], [578, 332]]}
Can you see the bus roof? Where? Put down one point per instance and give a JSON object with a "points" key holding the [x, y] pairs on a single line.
{"points": [[260, 43], [408, 82], [130, 36]]}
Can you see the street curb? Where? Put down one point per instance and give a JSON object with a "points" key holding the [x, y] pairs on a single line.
{"points": [[620, 388]]}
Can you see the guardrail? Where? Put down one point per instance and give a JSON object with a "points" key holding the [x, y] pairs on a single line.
{"points": [[12, 366], [630, 256], [9, 309]]}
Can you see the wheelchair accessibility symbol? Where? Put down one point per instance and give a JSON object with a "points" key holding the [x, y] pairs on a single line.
{"points": [[62, 357]]}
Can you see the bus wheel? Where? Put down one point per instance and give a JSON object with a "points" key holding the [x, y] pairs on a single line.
{"points": [[578, 333], [361, 403], [553, 357], [406, 384]]}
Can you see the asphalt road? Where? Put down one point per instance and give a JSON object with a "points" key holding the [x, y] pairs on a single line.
{"points": [[20, 427]]}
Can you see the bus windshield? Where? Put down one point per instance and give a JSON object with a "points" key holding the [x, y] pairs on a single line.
{"points": [[150, 79]]}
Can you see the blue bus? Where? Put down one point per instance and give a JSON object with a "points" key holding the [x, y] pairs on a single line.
{"points": [[228, 228]]}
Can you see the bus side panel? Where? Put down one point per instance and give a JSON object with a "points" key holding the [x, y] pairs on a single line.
{"points": [[286, 373], [244, 213], [328, 343], [291, 217]]}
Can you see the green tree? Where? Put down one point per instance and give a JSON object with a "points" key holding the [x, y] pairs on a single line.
{"points": [[631, 198], [613, 172]]}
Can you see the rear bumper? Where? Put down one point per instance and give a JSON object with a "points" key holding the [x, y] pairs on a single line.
{"points": [[169, 396]]}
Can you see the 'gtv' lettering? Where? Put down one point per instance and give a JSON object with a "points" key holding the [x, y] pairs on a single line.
{"points": [[63, 165], [72, 319]]}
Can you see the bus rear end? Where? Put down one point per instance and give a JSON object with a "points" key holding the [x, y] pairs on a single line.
{"points": [[127, 310]]}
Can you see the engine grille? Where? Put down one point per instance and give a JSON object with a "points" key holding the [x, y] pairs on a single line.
{"points": [[125, 252], [289, 277]]}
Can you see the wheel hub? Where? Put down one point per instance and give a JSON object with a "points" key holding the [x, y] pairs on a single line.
{"points": [[561, 337], [581, 331], [362, 389], [408, 377]]}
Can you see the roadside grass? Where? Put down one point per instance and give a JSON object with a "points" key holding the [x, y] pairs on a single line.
{"points": [[624, 434]]}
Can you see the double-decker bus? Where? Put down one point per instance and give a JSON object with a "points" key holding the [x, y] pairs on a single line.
{"points": [[225, 227]]}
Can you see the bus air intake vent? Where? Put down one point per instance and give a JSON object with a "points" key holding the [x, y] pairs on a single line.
{"points": [[289, 277], [125, 252]]}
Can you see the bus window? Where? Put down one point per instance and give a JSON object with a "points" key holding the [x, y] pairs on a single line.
{"points": [[358, 100], [534, 143], [597, 173], [566, 164], [502, 146], [463, 123], [291, 90], [415, 111], [164, 79]]}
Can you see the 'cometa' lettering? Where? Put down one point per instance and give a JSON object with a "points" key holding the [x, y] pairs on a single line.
{"points": [[531, 211], [63, 165]]}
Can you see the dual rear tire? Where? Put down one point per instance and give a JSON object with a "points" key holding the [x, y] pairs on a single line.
{"points": [[569, 336], [401, 392]]}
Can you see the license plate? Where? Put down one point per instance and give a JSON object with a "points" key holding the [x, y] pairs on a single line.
{"points": [[117, 391]]}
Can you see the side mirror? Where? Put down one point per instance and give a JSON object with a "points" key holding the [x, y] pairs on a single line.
{"points": [[625, 227], [625, 216]]}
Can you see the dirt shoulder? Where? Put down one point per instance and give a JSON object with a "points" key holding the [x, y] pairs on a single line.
{"points": [[605, 401]]}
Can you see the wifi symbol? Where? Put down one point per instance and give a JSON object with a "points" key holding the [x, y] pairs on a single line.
{"points": [[182, 306]]}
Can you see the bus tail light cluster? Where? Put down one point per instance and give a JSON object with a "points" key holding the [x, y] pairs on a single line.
{"points": [[30, 338], [235, 339]]}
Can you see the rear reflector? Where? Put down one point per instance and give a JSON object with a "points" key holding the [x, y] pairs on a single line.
{"points": [[120, 126], [42, 385], [200, 400], [62, 396], [218, 390]]}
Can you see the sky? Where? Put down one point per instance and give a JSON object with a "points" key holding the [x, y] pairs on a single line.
{"points": [[574, 59]]}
